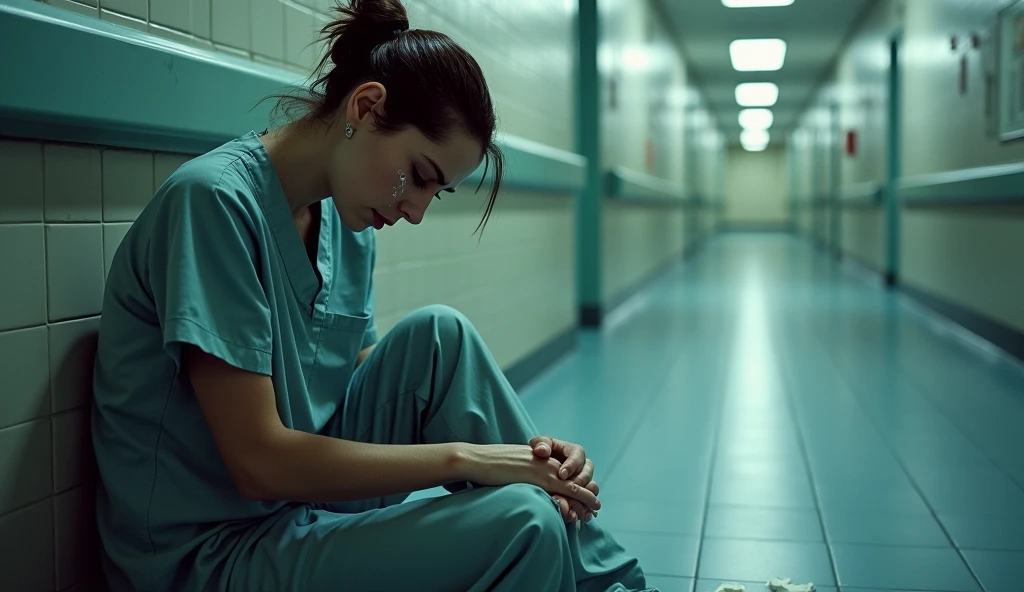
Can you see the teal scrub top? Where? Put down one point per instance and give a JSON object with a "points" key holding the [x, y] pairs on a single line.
{"points": [[214, 260]]}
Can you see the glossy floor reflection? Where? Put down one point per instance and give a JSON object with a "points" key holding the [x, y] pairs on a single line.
{"points": [[762, 412]]}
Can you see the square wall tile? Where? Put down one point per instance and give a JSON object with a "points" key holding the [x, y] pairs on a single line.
{"points": [[85, 7], [74, 270], [176, 14], [72, 354], [268, 28], [21, 168], [25, 376], [26, 474], [201, 19], [136, 8], [113, 234], [127, 184], [902, 568], [73, 460], [77, 538], [73, 183], [123, 20], [300, 34], [23, 274], [26, 539], [164, 164], [170, 35], [231, 23]]}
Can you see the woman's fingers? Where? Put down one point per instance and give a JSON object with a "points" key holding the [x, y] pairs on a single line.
{"points": [[581, 494]]}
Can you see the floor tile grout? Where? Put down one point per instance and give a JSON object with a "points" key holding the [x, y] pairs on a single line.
{"points": [[787, 388], [829, 354]]}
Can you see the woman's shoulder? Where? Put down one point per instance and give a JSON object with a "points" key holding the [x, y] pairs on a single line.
{"points": [[224, 180]]}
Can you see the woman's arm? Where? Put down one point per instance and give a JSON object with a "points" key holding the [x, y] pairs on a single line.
{"points": [[271, 462]]}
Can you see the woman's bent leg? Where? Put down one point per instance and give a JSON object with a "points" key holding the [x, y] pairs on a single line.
{"points": [[431, 379], [506, 539]]}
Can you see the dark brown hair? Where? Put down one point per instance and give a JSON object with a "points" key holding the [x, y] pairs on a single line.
{"points": [[433, 84]]}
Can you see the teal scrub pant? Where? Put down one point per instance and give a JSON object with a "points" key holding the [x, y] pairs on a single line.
{"points": [[432, 380]]}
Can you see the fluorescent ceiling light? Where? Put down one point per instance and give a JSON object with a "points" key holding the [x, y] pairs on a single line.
{"points": [[756, 119], [757, 55], [754, 140], [757, 94], [755, 3]]}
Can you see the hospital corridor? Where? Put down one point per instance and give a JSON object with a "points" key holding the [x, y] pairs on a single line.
{"points": [[277, 276]]}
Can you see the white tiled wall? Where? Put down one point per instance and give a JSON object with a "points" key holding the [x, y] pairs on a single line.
{"points": [[67, 210], [525, 47]]}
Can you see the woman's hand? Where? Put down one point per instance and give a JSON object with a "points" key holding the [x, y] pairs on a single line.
{"points": [[505, 464], [575, 466]]}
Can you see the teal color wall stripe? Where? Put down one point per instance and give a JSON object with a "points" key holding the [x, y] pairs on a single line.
{"points": [[588, 144], [628, 185], [83, 79], [893, 168], [114, 86], [982, 185]]}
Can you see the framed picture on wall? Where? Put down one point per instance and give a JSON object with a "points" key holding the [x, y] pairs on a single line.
{"points": [[1010, 71]]}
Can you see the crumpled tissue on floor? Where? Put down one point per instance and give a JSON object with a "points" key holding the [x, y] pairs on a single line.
{"points": [[787, 585], [731, 588]]}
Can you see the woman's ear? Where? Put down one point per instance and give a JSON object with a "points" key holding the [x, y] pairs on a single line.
{"points": [[366, 98]]}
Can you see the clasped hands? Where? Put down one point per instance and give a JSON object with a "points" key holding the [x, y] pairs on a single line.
{"points": [[575, 466]]}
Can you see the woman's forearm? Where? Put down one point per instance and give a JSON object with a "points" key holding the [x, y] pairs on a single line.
{"points": [[298, 466]]}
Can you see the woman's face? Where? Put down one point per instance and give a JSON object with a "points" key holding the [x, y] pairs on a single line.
{"points": [[377, 179]]}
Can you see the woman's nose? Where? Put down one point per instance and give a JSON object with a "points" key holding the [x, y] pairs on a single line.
{"points": [[412, 211]]}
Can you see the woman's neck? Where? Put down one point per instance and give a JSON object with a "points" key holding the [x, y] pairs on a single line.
{"points": [[300, 152]]}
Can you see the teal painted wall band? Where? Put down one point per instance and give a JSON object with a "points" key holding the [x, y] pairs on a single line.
{"points": [[589, 248], [628, 185], [982, 185], [124, 88]]}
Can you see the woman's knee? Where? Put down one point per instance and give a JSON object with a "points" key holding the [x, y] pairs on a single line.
{"points": [[442, 322], [531, 511]]}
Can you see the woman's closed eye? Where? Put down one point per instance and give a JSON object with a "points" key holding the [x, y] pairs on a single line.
{"points": [[419, 181]]}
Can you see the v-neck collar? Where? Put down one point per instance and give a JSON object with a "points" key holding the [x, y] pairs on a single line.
{"points": [[298, 265]]}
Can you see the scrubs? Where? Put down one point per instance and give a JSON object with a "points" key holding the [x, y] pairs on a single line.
{"points": [[215, 261]]}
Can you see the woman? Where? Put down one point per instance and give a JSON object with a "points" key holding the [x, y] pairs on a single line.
{"points": [[251, 432]]}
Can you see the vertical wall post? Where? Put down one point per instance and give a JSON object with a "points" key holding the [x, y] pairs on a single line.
{"points": [[836, 152], [588, 143], [893, 207]]}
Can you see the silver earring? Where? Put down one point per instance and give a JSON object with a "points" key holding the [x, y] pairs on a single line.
{"points": [[348, 130], [400, 189]]}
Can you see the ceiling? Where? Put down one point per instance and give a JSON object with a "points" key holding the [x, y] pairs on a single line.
{"points": [[814, 30]]}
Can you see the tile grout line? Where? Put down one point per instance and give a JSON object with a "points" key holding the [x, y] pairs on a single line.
{"points": [[788, 388], [913, 482], [718, 391]]}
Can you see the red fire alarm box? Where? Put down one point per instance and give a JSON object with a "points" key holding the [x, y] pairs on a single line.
{"points": [[851, 143]]}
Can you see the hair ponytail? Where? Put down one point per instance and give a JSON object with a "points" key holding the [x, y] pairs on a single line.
{"points": [[433, 84], [361, 27]]}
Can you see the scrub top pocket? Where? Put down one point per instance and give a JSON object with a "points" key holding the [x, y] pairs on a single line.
{"points": [[339, 343]]}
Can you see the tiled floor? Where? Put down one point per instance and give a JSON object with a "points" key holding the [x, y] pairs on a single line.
{"points": [[763, 412]]}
